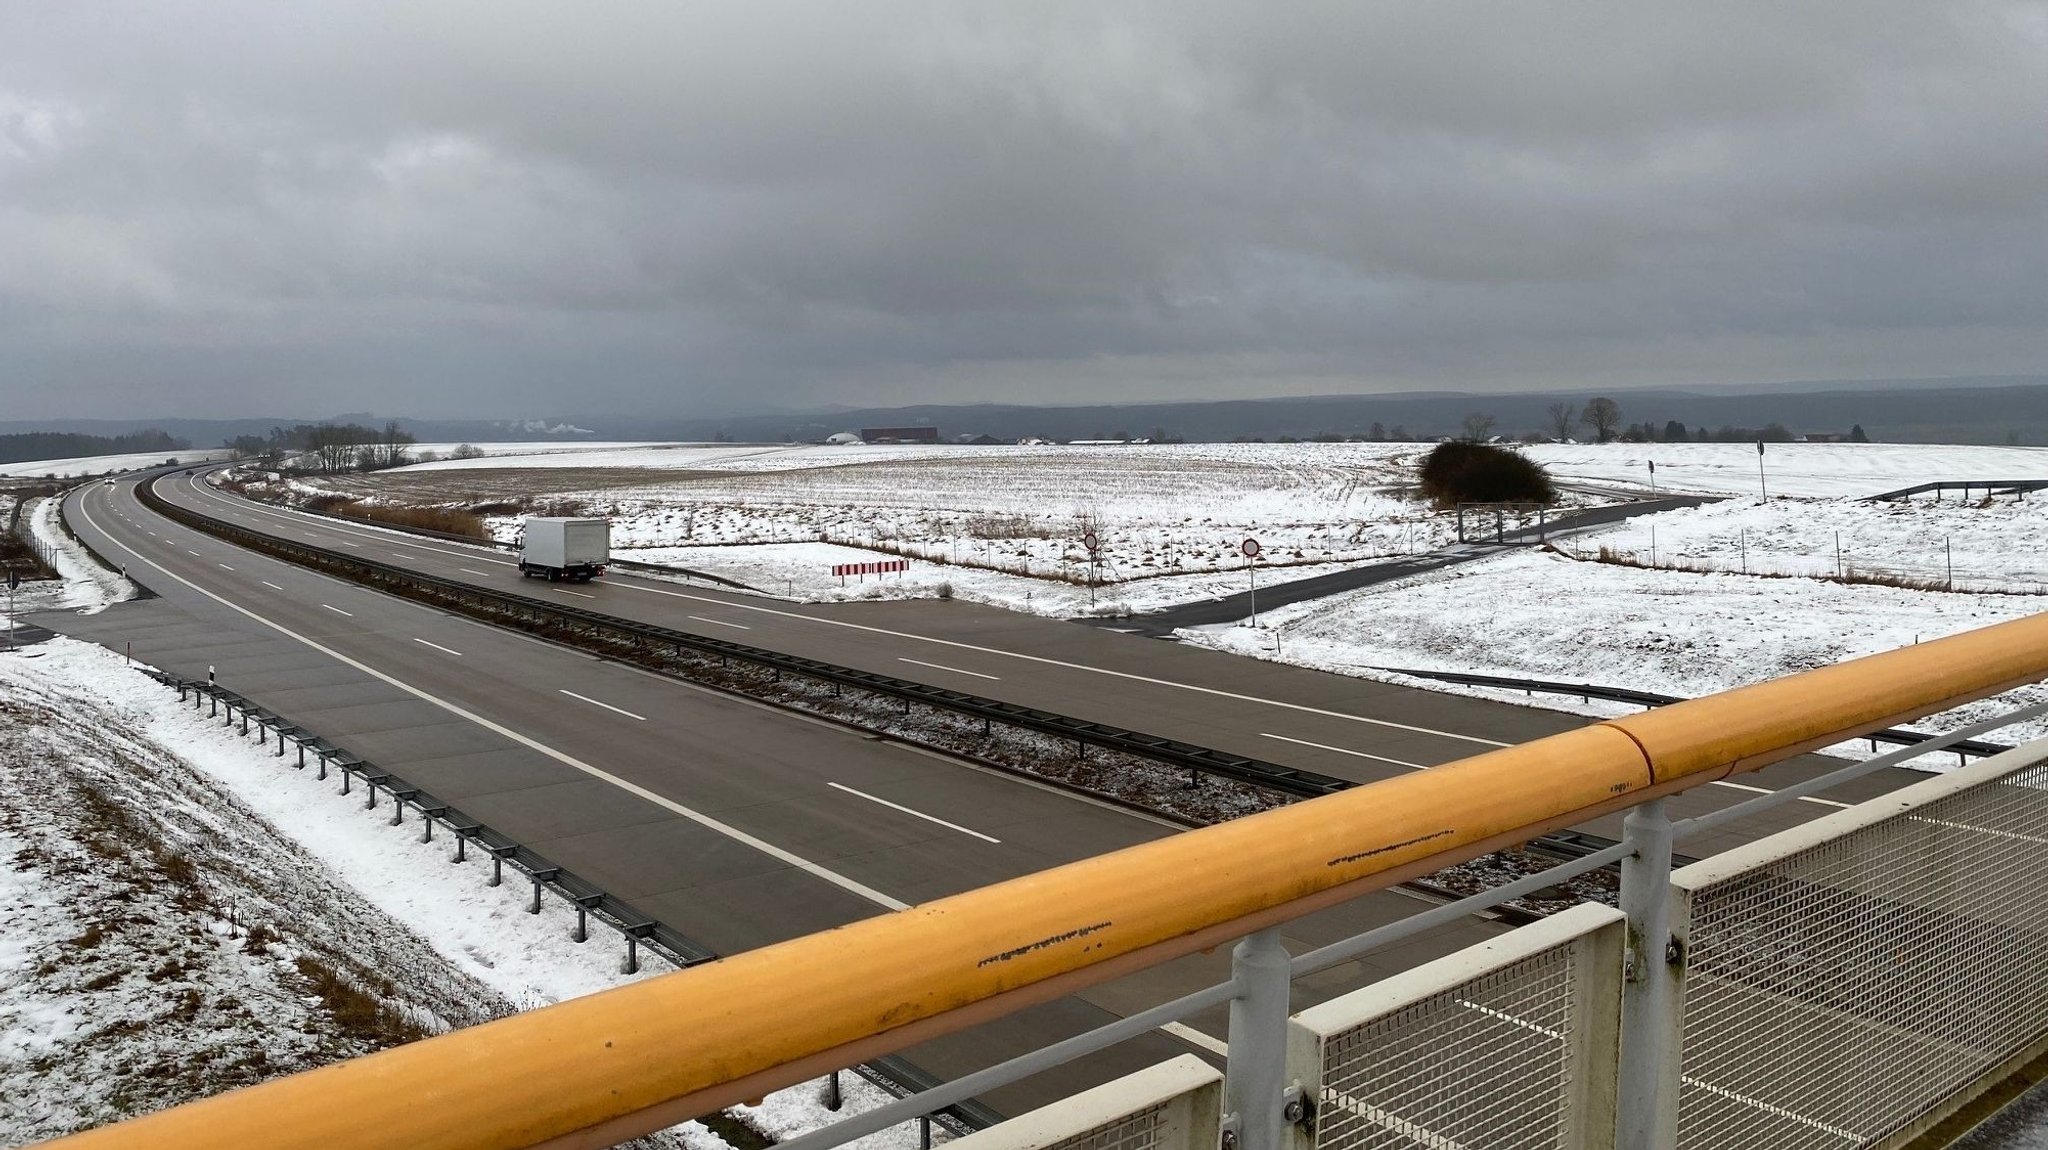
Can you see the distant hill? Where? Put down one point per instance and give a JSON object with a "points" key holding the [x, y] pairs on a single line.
{"points": [[1902, 411], [214, 432], [2004, 409], [34, 445]]}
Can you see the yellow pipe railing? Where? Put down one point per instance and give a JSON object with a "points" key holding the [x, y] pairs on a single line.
{"points": [[603, 1068]]}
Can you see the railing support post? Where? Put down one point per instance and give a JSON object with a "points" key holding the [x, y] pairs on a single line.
{"points": [[1256, 1071], [1646, 1100]]}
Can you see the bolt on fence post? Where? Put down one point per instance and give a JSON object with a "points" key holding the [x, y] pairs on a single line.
{"points": [[1256, 1068], [1646, 1098]]}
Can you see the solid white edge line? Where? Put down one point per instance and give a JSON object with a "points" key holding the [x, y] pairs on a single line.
{"points": [[943, 667], [467, 571], [1345, 751], [578, 594], [437, 646], [719, 622], [737, 835], [914, 814], [606, 706]]}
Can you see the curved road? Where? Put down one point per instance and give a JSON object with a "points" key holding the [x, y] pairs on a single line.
{"points": [[741, 824]]}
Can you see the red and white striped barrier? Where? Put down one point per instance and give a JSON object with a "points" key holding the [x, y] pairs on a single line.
{"points": [[880, 567]]}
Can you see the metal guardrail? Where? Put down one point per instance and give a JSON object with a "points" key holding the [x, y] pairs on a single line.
{"points": [[1989, 487], [896, 1075], [589, 900], [1896, 736]]}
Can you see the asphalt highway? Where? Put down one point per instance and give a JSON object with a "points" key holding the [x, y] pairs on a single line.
{"points": [[737, 823], [1336, 725]]}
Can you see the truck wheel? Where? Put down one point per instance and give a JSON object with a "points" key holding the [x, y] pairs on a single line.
{"points": [[554, 576]]}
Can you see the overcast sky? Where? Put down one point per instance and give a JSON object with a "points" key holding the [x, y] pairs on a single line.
{"points": [[509, 209]]}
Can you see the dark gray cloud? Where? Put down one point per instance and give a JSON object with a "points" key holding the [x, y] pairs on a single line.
{"points": [[504, 208]]}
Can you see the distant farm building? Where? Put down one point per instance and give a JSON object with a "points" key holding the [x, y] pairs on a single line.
{"points": [[843, 439], [899, 434]]}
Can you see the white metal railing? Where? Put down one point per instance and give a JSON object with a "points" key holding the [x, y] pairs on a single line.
{"points": [[1841, 984], [1512, 1042], [1175, 1105], [1847, 978]]}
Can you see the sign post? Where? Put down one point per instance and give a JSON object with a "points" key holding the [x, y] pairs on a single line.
{"points": [[1250, 547], [1760, 484], [13, 581], [1653, 477], [1094, 546]]}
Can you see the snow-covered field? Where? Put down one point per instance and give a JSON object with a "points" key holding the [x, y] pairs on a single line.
{"points": [[779, 517], [1812, 469], [1990, 545], [1543, 615]]}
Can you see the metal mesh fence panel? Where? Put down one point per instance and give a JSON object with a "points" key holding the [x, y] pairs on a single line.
{"points": [[1835, 995], [1487, 1063], [1142, 1130]]}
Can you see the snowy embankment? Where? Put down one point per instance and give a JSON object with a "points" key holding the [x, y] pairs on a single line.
{"points": [[182, 912], [88, 586], [1542, 615]]}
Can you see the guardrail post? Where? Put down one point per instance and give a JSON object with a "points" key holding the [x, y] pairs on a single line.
{"points": [[584, 903], [1256, 1071], [1646, 1101]]}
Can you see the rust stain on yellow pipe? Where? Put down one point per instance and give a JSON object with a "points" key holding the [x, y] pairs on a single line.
{"points": [[718, 1029]]}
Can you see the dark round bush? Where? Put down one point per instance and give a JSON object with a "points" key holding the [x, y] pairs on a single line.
{"points": [[1455, 473]]}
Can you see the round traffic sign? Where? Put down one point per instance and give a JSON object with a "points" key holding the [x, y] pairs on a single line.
{"points": [[1250, 547], [1091, 542]]}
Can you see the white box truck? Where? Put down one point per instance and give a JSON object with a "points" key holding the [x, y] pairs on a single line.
{"points": [[560, 548]]}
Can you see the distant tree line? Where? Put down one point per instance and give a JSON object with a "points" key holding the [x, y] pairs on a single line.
{"points": [[34, 445], [329, 447]]}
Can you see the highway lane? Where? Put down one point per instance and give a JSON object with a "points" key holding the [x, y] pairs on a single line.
{"points": [[1334, 724], [737, 823]]}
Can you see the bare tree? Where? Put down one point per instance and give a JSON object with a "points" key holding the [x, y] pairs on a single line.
{"points": [[1603, 415], [1561, 417], [1478, 425]]}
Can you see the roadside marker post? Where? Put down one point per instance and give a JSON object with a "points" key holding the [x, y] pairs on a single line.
{"points": [[13, 581], [1094, 545], [1761, 485], [1250, 548]]}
